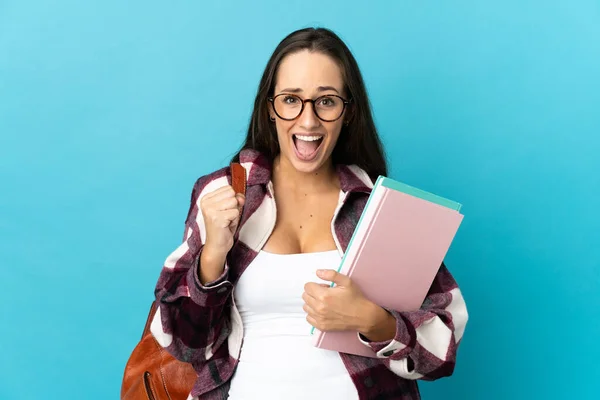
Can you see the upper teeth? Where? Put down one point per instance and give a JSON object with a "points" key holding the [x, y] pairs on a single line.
{"points": [[308, 138]]}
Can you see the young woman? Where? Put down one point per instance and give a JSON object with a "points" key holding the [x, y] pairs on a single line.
{"points": [[239, 307]]}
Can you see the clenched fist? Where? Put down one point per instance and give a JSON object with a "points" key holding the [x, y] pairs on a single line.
{"points": [[221, 212]]}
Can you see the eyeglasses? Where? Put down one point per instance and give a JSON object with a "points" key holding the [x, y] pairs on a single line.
{"points": [[327, 108]]}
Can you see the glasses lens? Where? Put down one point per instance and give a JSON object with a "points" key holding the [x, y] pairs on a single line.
{"points": [[329, 108], [287, 106]]}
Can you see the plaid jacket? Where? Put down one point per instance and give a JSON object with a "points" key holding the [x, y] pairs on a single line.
{"points": [[201, 324]]}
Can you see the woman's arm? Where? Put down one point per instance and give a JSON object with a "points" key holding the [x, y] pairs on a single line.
{"points": [[379, 324], [190, 322]]}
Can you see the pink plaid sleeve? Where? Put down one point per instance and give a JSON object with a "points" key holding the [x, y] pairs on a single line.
{"points": [[191, 322], [427, 340]]}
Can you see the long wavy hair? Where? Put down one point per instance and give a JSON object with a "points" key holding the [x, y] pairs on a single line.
{"points": [[359, 142]]}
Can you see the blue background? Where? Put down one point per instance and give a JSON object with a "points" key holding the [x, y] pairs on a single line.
{"points": [[109, 111]]}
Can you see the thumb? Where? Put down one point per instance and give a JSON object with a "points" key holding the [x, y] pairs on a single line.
{"points": [[334, 276], [234, 224], [241, 199]]}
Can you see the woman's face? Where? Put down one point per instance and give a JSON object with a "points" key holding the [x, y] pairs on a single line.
{"points": [[307, 141]]}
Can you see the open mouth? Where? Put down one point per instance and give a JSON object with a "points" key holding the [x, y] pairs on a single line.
{"points": [[307, 146]]}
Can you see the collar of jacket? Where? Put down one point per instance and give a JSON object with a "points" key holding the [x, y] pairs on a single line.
{"points": [[352, 178]]}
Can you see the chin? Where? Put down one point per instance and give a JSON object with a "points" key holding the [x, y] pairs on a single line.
{"points": [[307, 167]]}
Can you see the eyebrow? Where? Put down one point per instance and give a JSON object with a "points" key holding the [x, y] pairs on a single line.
{"points": [[319, 89]]}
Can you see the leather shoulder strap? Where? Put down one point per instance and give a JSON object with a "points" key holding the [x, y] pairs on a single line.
{"points": [[238, 178], [149, 319]]}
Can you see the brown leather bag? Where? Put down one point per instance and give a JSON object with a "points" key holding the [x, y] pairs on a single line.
{"points": [[153, 374]]}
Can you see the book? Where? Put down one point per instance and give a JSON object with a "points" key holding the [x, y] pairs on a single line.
{"points": [[395, 252]]}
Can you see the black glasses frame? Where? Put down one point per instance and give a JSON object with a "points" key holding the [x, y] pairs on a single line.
{"points": [[313, 101]]}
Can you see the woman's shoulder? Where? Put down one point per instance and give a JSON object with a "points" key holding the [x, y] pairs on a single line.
{"points": [[257, 170], [211, 181]]}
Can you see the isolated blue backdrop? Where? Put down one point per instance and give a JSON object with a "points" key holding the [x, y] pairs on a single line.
{"points": [[109, 111]]}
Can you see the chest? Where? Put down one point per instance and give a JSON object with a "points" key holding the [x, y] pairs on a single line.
{"points": [[303, 223], [273, 284]]}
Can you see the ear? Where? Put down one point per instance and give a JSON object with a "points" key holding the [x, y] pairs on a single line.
{"points": [[349, 114], [271, 111]]}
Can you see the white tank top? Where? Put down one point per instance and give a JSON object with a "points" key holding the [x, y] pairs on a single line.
{"points": [[278, 360]]}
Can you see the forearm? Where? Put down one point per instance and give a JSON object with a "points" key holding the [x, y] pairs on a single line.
{"points": [[211, 266], [379, 325]]}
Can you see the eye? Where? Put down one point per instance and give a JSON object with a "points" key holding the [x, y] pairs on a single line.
{"points": [[327, 101], [290, 99]]}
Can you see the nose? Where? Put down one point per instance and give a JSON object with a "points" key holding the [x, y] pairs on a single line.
{"points": [[308, 119]]}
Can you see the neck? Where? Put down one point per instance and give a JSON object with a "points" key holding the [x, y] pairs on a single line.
{"points": [[289, 178]]}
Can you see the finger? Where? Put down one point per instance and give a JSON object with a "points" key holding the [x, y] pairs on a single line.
{"points": [[241, 199], [233, 225], [309, 310], [314, 289], [230, 215], [222, 193], [227, 204], [313, 322], [309, 300], [317, 308], [334, 276], [219, 191], [223, 219], [212, 200]]}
